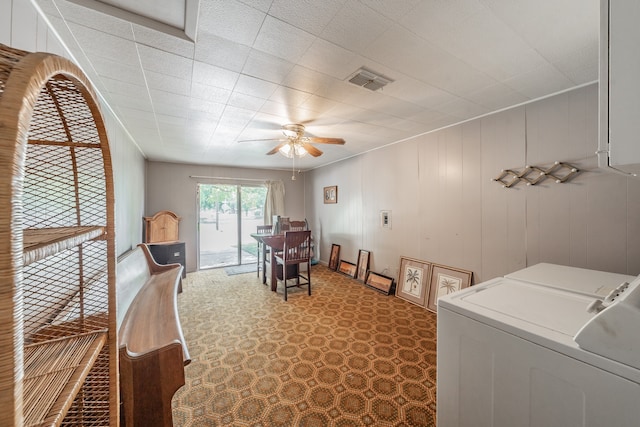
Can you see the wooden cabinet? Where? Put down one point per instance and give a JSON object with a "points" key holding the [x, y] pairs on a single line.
{"points": [[619, 88], [58, 341], [162, 227], [169, 253]]}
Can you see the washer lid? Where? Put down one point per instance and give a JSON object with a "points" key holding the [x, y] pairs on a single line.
{"points": [[592, 282], [525, 303]]}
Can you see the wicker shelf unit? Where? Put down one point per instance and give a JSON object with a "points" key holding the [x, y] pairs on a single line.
{"points": [[58, 339]]}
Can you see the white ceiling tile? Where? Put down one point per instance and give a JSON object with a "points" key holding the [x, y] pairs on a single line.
{"points": [[307, 80], [355, 26], [203, 108], [214, 76], [277, 109], [266, 67], [202, 115], [254, 86], [116, 70], [291, 97], [231, 20], [99, 44], [165, 97], [198, 136], [310, 15], [416, 92], [432, 19], [137, 114], [329, 58], [483, 32], [462, 109], [170, 109], [210, 93], [394, 9], [126, 101], [496, 97], [429, 117], [282, 40], [168, 83], [262, 5], [217, 51], [318, 104], [165, 62], [539, 82], [124, 88], [249, 102], [235, 117], [164, 120]]}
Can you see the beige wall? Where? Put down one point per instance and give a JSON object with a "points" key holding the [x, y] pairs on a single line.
{"points": [[446, 209], [21, 27], [170, 187]]}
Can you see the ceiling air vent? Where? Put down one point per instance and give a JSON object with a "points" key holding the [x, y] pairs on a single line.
{"points": [[369, 79]]}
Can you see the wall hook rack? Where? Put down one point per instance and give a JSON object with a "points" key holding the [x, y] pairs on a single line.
{"points": [[532, 175]]}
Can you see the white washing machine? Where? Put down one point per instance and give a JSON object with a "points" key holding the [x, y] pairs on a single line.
{"points": [[547, 346]]}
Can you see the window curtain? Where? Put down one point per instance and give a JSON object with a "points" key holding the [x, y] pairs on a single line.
{"points": [[274, 205]]}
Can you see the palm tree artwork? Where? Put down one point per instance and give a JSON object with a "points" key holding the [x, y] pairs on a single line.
{"points": [[447, 284], [413, 281]]}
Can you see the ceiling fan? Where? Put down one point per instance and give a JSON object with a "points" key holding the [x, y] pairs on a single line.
{"points": [[295, 144]]}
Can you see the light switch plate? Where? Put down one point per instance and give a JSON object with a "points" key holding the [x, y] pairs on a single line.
{"points": [[385, 219]]}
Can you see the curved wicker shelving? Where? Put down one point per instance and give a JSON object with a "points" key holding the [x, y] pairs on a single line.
{"points": [[51, 383], [58, 341], [40, 243]]}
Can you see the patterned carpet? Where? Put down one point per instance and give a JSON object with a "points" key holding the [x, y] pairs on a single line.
{"points": [[344, 356]]}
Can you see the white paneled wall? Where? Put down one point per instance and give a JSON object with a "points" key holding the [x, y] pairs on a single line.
{"points": [[22, 27], [446, 209]]}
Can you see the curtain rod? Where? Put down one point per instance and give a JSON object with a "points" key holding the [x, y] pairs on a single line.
{"points": [[230, 179]]}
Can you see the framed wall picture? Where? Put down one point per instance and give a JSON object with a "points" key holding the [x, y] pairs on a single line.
{"points": [[348, 268], [331, 194], [334, 257], [413, 280], [363, 265], [379, 282], [446, 280]]}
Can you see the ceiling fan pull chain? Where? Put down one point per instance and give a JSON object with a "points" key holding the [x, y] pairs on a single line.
{"points": [[293, 168]]}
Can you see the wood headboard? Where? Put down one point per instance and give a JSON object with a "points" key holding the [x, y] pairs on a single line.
{"points": [[162, 227]]}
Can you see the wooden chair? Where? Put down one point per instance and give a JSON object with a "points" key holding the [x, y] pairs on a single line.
{"points": [[297, 225], [296, 251], [263, 229]]}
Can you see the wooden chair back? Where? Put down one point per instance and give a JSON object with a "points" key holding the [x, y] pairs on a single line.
{"points": [[264, 229], [297, 225], [297, 247]]}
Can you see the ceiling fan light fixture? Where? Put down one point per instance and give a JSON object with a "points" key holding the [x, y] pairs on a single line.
{"points": [[290, 150]]}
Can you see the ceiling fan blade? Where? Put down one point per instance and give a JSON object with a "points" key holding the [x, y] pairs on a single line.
{"points": [[311, 149], [320, 140], [276, 148]]}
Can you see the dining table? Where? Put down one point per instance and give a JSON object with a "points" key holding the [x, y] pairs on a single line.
{"points": [[276, 243]]}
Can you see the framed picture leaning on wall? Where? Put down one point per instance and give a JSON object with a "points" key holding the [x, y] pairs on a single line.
{"points": [[347, 268], [379, 282], [413, 280], [446, 280], [334, 257], [363, 265]]}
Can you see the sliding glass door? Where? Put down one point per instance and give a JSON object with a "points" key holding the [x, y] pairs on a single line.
{"points": [[227, 217]]}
